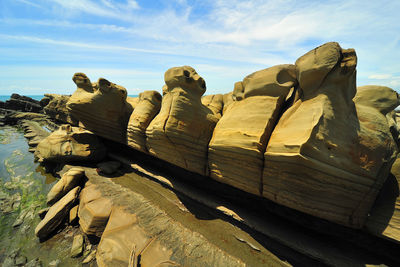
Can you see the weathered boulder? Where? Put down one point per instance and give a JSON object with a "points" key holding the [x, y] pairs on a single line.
{"points": [[180, 133], [69, 180], [323, 157], [215, 103], [101, 107], [56, 108], [70, 144], [236, 150], [94, 210], [124, 241], [57, 214], [146, 109]]}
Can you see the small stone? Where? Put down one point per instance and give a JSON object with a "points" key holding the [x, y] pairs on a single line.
{"points": [[20, 260], [87, 250], [54, 263], [43, 212], [8, 262], [89, 258], [77, 246], [73, 215]]}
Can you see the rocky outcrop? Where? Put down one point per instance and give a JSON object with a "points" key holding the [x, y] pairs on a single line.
{"points": [[94, 210], [323, 157], [101, 107], [236, 150], [125, 242], [148, 106], [70, 144], [56, 108], [22, 103], [56, 214], [180, 133], [70, 179]]}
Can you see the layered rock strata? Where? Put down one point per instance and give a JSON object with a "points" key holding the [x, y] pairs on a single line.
{"points": [[70, 179], [322, 157], [236, 150], [147, 107], [101, 107], [215, 103], [180, 133]]}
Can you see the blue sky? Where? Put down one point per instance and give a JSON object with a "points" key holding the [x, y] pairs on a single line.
{"points": [[132, 43]]}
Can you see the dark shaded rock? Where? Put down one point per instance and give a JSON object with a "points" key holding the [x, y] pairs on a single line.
{"points": [[23, 103]]}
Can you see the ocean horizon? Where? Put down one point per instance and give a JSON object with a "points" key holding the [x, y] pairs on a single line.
{"points": [[36, 97]]}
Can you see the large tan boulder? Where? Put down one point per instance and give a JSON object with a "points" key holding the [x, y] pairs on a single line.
{"points": [[180, 133], [57, 214], [101, 107], [70, 144], [72, 178], [236, 150], [57, 108], [124, 242], [94, 210], [323, 157], [146, 109], [215, 103], [227, 100]]}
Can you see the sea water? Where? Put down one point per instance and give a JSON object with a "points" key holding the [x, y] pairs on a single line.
{"points": [[25, 184]]}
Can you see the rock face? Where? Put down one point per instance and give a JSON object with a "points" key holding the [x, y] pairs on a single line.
{"points": [[56, 214], [70, 144], [322, 158], [215, 103], [23, 103], [236, 150], [101, 107], [56, 108], [146, 109], [69, 180], [94, 210], [180, 133], [124, 241]]}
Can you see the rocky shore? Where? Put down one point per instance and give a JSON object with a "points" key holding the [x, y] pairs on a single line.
{"points": [[295, 166]]}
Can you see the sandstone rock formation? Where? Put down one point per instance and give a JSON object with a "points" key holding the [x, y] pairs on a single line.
{"points": [[56, 214], [236, 150], [227, 101], [56, 108], [94, 210], [101, 107], [124, 241], [146, 109], [323, 157], [215, 103], [69, 180], [70, 144], [180, 133]]}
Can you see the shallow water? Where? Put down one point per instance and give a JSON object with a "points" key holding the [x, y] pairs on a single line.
{"points": [[23, 189]]}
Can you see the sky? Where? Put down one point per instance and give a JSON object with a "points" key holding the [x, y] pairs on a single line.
{"points": [[132, 42]]}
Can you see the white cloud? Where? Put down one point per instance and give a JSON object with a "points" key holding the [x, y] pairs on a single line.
{"points": [[380, 76], [26, 2]]}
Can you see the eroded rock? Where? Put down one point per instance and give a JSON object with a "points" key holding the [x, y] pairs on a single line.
{"points": [[236, 150], [124, 241], [69, 180], [146, 109], [70, 144], [56, 214], [180, 133], [56, 108], [323, 157], [101, 107], [77, 246], [94, 210]]}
